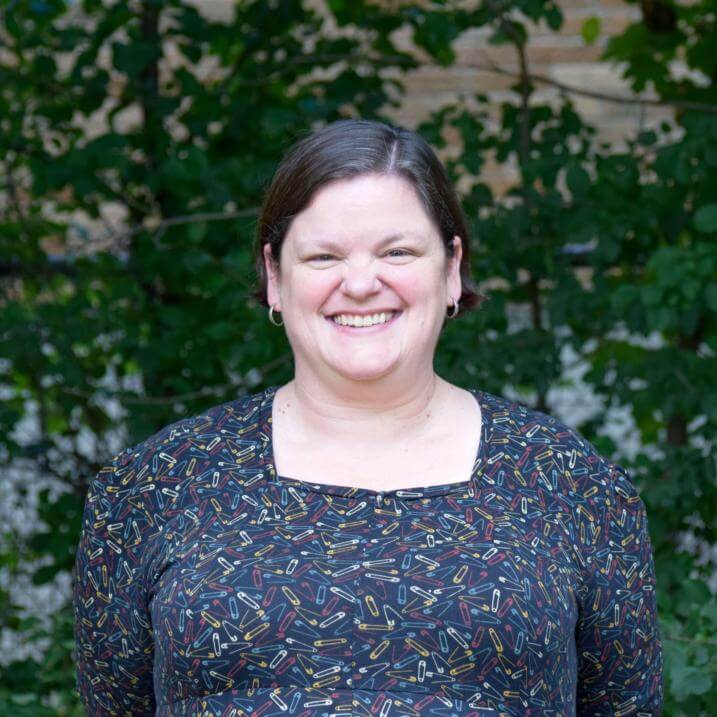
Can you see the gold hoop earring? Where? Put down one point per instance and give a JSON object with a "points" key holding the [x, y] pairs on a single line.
{"points": [[455, 310], [271, 317]]}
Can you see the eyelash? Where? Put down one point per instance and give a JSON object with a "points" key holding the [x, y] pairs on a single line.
{"points": [[318, 257]]}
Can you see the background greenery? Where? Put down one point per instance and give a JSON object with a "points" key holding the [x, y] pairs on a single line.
{"points": [[118, 330]]}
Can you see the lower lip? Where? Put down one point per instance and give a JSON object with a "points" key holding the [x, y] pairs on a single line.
{"points": [[354, 330]]}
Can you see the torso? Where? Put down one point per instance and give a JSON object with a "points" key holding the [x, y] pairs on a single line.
{"points": [[443, 454]]}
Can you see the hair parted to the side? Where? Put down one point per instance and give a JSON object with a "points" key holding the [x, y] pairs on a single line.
{"points": [[349, 148]]}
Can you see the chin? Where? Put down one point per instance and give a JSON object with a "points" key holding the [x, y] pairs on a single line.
{"points": [[363, 376], [363, 373]]}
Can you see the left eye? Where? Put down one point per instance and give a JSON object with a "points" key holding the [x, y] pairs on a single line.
{"points": [[398, 252]]}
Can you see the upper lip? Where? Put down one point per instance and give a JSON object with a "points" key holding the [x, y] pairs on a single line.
{"points": [[363, 313]]}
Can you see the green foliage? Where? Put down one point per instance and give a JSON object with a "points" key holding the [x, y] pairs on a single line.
{"points": [[126, 253], [668, 30], [705, 219], [591, 30], [41, 688]]}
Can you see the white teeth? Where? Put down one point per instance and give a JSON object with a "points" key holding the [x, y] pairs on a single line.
{"points": [[362, 321]]}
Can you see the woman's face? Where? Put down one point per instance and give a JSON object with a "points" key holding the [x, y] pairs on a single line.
{"points": [[364, 246]]}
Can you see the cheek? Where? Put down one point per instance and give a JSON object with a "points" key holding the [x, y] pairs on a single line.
{"points": [[415, 286], [311, 291]]}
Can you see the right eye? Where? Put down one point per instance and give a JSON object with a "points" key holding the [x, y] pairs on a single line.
{"points": [[322, 257]]}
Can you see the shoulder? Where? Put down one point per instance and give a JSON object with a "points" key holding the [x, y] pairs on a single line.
{"points": [[549, 451], [511, 418], [223, 421], [564, 480], [164, 474]]}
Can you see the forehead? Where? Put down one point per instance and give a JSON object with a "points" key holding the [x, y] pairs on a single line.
{"points": [[362, 207]]}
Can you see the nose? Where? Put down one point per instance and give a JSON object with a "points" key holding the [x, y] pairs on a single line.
{"points": [[360, 279]]}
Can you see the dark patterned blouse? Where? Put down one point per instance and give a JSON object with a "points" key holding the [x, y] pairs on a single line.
{"points": [[206, 584]]}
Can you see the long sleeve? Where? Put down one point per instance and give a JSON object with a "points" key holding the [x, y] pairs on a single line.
{"points": [[113, 635], [617, 638]]}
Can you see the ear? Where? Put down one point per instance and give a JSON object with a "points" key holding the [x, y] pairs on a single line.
{"points": [[454, 284], [272, 279]]}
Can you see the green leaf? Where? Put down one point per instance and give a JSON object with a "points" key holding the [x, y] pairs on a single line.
{"points": [[591, 29], [554, 17], [132, 59], [711, 155], [193, 52], [647, 138], [44, 574], [709, 610], [705, 219], [689, 680], [578, 180], [435, 32], [711, 296], [197, 231]]}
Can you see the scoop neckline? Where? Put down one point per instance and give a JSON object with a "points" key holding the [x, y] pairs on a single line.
{"points": [[419, 492]]}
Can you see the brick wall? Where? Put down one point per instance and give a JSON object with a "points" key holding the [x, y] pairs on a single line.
{"points": [[560, 56]]}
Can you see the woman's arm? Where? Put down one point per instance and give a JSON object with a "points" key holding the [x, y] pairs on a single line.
{"points": [[113, 635], [617, 639]]}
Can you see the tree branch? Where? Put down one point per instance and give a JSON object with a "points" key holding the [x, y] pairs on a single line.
{"points": [[164, 224], [490, 66], [64, 266], [134, 400]]}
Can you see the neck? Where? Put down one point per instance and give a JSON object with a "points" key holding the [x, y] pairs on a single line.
{"points": [[362, 413]]}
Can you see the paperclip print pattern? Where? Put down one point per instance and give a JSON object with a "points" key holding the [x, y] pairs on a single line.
{"points": [[205, 584]]}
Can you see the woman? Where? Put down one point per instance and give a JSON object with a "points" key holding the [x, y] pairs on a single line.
{"points": [[367, 539]]}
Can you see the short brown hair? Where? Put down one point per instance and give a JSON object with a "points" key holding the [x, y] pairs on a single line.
{"points": [[350, 148]]}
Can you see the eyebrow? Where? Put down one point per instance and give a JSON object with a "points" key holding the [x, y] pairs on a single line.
{"points": [[330, 244]]}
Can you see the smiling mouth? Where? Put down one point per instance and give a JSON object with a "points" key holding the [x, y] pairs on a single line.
{"points": [[363, 322]]}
